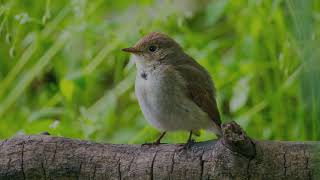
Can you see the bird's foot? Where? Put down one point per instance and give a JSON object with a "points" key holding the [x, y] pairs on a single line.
{"points": [[156, 143], [44, 133], [188, 145]]}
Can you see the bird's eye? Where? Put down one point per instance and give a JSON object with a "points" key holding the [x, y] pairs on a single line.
{"points": [[152, 48]]}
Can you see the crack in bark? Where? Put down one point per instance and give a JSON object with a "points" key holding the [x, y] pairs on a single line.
{"points": [[94, 171], [44, 171], [44, 161], [307, 164], [119, 168], [131, 162], [284, 164], [22, 154], [152, 163], [202, 164], [172, 166], [8, 167], [309, 172], [80, 167], [94, 167], [55, 151]]}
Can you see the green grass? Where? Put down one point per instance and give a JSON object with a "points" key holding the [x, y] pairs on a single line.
{"points": [[62, 69]]}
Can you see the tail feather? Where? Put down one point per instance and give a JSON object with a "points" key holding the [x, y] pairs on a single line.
{"points": [[216, 129]]}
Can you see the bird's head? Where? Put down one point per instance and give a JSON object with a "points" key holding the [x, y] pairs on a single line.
{"points": [[154, 48]]}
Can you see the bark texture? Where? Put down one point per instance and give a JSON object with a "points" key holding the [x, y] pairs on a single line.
{"points": [[235, 156]]}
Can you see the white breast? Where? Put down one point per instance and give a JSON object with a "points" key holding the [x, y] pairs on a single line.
{"points": [[162, 99]]}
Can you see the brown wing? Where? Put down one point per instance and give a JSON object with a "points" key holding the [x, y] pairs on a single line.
{"points": [[200, 88]]}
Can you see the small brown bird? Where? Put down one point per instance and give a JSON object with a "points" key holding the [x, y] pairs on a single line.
{"points": [[174, 91]]}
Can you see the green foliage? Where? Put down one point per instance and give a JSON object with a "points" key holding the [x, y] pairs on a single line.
{"points": [[62, 71]]}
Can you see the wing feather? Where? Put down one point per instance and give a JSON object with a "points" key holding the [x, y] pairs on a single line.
{"points": [[200, 88]]}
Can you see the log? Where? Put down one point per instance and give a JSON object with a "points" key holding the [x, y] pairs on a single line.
{"points": [[235, 156]]}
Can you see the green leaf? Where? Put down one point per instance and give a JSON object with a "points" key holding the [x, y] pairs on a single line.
{"points": [[67, 88]]}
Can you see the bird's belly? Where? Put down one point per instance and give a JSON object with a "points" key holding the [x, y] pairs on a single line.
{"points": [[166, 107]]}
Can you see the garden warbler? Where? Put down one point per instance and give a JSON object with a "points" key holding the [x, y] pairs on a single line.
{"points": [[174, 91]]}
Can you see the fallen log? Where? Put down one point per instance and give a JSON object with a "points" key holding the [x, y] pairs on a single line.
{"points": [[235, 156]]}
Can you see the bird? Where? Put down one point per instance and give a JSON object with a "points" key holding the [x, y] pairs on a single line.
{"points": [[174, 91]]}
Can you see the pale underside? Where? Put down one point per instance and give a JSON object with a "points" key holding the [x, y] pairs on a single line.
{"points": [[163, 101]]}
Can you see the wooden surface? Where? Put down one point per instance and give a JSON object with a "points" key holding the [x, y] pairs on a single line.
{"points": [[235, 156]]}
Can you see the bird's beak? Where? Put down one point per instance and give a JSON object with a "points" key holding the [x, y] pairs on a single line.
{"points": [[131, 50]]}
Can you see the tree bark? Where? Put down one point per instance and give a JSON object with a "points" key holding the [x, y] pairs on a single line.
{"points": [[235, 156]]}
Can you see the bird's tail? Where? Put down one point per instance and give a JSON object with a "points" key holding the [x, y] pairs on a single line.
{"points": [[216, 129]]}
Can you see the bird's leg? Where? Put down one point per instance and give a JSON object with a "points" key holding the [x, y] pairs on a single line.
{"points": [[190, 140], [159, 138], [189, 143], [157, 142]]}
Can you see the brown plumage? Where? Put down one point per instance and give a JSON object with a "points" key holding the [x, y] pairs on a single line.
{"points": [[200, 88], [176, 93]]}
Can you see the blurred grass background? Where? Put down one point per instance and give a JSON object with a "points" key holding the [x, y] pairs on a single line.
{"points": [[62, 71]]}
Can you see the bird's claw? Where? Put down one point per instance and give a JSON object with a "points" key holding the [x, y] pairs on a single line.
{"points": [[151, 144], [44, 133], [188, 145]]}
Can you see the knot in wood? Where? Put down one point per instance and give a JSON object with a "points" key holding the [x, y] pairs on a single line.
{"points": [[235, 139]]}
